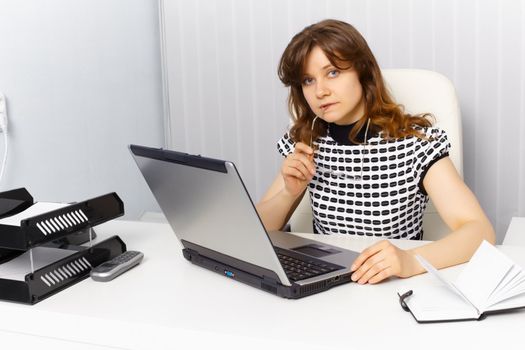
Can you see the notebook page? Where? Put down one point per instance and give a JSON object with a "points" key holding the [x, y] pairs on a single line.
{"points": [[483, 273], [516, 289], [34, 210], [434, 272], [510, 285], [517, 301]]}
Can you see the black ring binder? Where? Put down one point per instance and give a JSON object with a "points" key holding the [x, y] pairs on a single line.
{"points": [[57, 229]]}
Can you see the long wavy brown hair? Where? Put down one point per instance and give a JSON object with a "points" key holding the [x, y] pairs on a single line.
{"points": [[345, 48]]}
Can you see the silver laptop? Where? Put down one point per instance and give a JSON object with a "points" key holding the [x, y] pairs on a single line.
{"points": [[211, 213]]}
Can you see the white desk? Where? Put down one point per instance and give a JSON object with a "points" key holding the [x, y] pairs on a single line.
{"points": [[166, 302]]}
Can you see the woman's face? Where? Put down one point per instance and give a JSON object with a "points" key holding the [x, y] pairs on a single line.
{"points": [[334, 95]]}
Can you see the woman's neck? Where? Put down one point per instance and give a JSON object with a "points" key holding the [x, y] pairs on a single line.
{"points": [[341, 133]]}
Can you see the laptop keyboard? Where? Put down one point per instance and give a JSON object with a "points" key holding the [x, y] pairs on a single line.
{"points": [[299, 267]]}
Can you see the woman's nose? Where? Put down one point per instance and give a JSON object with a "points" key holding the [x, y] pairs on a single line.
{"points": [[321, 90]]}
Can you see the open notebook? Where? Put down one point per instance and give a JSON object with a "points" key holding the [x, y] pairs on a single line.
{"points": [[489, 283]]}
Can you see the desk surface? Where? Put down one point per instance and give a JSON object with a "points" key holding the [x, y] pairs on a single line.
{"points": [[166, 302]]}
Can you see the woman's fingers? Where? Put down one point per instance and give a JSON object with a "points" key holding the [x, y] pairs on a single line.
{"points": [[370, 267], [293, 172], [298, 168], [302, 161], [376, 263], [368, 252], [382, 275], [303, 148], [302, 164], [378, 269], [304, 158]]}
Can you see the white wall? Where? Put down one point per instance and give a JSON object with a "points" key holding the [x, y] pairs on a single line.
{"points": [[225, 99], [83, 80]]}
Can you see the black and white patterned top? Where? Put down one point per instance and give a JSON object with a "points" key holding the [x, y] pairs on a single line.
{"points": [[372, 189]]}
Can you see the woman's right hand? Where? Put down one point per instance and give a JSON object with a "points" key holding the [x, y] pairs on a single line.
{"points": [[298, 169]]}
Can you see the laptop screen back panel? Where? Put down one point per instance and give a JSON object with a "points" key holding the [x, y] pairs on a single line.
{"points": [[206, 204]]}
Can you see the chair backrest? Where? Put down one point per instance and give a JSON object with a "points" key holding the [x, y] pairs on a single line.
{"points": [[419, 91], [515, 234]]}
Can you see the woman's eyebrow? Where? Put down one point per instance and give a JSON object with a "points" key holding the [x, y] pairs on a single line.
{"points": [[328, 66]]}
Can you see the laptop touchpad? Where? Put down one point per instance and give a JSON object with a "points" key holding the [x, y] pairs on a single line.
{"points": [[316, 250]]}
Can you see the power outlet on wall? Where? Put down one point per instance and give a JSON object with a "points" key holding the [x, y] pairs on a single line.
{"points": [[3, 113]]}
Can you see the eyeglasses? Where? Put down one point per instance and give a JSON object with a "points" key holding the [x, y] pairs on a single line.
{"points": [[337, 173], [340, 174], [312, 133]]}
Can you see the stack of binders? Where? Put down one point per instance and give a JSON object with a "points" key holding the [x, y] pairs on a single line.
{"points": [[55, 238]]}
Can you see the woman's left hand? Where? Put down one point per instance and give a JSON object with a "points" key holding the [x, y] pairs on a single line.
{"points": [[381, 261]]}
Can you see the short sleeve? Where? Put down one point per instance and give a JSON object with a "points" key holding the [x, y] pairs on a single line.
{"points": [[285, 145], [434, 147]]}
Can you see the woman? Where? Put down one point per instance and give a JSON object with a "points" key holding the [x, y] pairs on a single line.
{"points": [[368, 166]]}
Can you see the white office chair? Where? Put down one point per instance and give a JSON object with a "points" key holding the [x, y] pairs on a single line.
{"points": [[515, 234], [420, 91]]}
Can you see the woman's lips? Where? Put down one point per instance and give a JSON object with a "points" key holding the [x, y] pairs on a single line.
{"points": [[326, 106]]}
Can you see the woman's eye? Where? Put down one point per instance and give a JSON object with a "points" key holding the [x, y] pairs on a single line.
{"points": [[307, 81], [333, 73]]}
